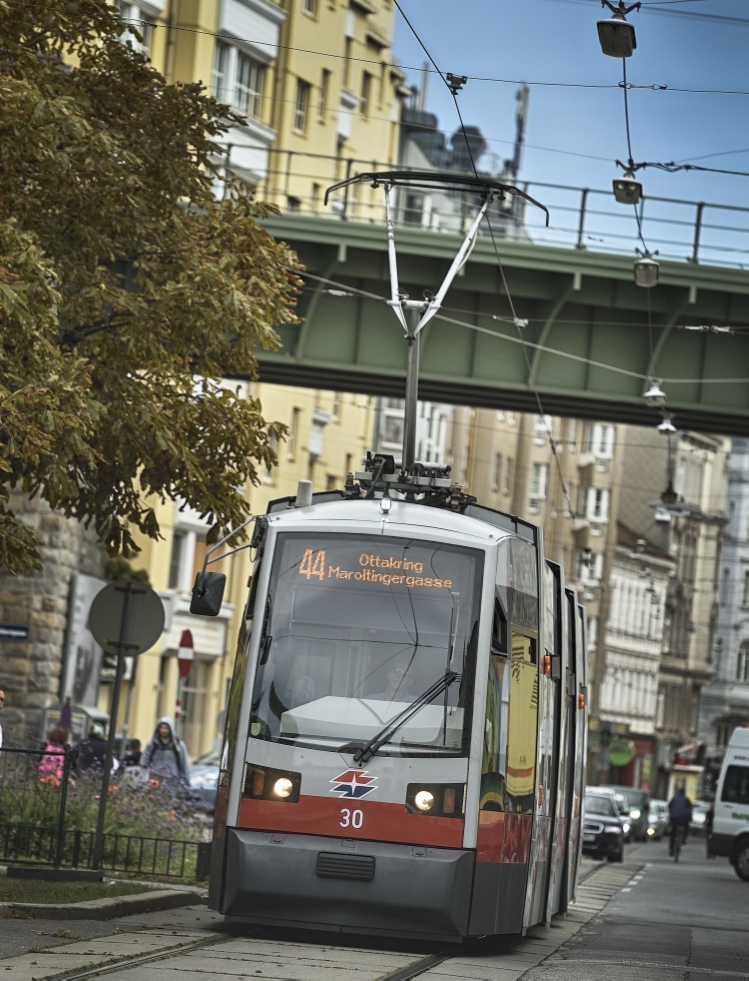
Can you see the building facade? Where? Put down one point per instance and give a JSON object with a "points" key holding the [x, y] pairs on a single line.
{"points": [[688, 523], [638, 585], [725, 699]]}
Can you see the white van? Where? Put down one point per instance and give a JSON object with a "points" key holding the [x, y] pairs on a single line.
{"points": [[731, 822]]}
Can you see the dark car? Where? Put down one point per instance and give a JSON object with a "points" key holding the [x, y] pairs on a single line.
{"points": [[204, 774], [638, 811], [603, 831]]}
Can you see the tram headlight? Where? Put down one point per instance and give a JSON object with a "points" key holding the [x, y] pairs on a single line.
{"points": [[283, 787], [436, 799], [424, 800], [265, 783]]}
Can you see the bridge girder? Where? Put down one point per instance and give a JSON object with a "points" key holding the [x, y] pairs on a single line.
{"points": [[581, 304]]}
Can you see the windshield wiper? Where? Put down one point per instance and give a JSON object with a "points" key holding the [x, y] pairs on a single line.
{"points": [[365, 753]]}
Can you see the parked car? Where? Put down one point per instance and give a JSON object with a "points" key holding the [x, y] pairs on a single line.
{"points": [[637, 801], [699, 814], [204, 774], [620, 802], [603, 829], [657, 820]]}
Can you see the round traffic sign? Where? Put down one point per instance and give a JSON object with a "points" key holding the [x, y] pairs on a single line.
{"points": [[145, 621]]}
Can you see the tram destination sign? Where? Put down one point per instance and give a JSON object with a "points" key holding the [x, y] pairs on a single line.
{"points": [[383, 570]]}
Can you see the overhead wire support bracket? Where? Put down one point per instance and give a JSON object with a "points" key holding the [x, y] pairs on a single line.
{"points": [[414, 315]]}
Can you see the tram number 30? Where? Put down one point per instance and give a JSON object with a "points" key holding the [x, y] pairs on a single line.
{"points": [[349, 819]]}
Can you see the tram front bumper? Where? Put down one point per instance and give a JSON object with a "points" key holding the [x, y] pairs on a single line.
{"points": [[347, 885]]}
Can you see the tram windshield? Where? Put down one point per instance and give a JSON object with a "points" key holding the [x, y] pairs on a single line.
{"points": [[355, 629]]}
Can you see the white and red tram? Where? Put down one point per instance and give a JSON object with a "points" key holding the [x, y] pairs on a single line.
{"points": [[405, 735]]}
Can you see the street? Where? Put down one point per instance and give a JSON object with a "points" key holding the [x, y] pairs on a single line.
{"points": [[679, 921], [645, 919]]}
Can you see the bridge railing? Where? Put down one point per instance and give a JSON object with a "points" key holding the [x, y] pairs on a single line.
{"points": [[582, 218]]}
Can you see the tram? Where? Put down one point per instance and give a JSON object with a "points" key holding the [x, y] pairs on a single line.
{"points": [[405, 735]]}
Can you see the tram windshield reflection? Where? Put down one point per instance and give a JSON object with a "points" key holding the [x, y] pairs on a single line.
{"points": [[356, 628]]}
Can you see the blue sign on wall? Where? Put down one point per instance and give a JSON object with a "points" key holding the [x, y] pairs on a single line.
{"points": [[14, 631]]}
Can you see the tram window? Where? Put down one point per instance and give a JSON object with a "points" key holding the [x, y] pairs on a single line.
{"points": [[499, 629], [358, 626]]}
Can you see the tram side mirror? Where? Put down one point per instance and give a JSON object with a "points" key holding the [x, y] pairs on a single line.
{"points": [[208, 594]]}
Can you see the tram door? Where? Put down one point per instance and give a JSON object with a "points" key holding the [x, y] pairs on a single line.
{"points": [[568, 749], [546, 756], [580, 745], [558, 669]]}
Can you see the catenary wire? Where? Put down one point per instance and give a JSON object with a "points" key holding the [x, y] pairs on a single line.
{"points": [[656, 87], [519, 327]]}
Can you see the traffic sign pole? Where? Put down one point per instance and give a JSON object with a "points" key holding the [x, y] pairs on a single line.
{"points": [[129, 588]]}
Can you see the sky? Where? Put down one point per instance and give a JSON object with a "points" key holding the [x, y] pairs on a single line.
{"points": [[540, 41]]}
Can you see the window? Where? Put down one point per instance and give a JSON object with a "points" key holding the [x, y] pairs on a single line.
{"points": [[539, 482], [725, 587], [310, 7], [745, 598], [337, 402], [590, 567], [194, 705], [597, 505], [175, 563], [220, 76], [742, 662], [322, 102], [135, 18], [511, 417], [293, 432], [315, 198], [250, 83], [496, 471], [736, 785], [541, 429], [366, 93], [600, 443], [507, 476], [301, 106], [572, 434]]}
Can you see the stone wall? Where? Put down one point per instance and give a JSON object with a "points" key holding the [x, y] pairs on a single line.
{"points": [[30, 672]]}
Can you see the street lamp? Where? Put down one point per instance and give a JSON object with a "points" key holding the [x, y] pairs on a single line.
{"points": [[654, 396], [627, 189], [646, 270], [666, 427], [616, 35]]}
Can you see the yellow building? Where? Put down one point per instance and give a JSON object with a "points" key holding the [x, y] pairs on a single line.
{"points": [[313, 79], [306, 114], [328, 435]]}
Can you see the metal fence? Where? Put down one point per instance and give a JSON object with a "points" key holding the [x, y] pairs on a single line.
{"points": [[35, 826], [582, 218]]}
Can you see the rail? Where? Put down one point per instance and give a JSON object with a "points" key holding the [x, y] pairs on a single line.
{"points": [[581, 218]]}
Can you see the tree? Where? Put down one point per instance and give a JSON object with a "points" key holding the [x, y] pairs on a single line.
{"points": [[128, 291]]}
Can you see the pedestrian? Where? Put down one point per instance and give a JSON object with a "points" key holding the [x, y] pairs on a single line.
{"points": [[166, 756], [2, 703], [52, 764], [93, 751], [133, 755], [709, 818], [680, 812]]}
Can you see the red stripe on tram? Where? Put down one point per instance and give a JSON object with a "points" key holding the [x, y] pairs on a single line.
{"points": [[345, 818]]}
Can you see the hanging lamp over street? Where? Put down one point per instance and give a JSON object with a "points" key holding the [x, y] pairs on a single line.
{"points": [[617, 35], [647, 270], [627, 189], [654, 395]]}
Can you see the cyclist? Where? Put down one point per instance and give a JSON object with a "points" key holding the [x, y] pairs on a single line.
{"points": [[680, 812]]}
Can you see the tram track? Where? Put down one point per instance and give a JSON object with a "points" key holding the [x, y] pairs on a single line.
{"points": [[137, 959]]}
